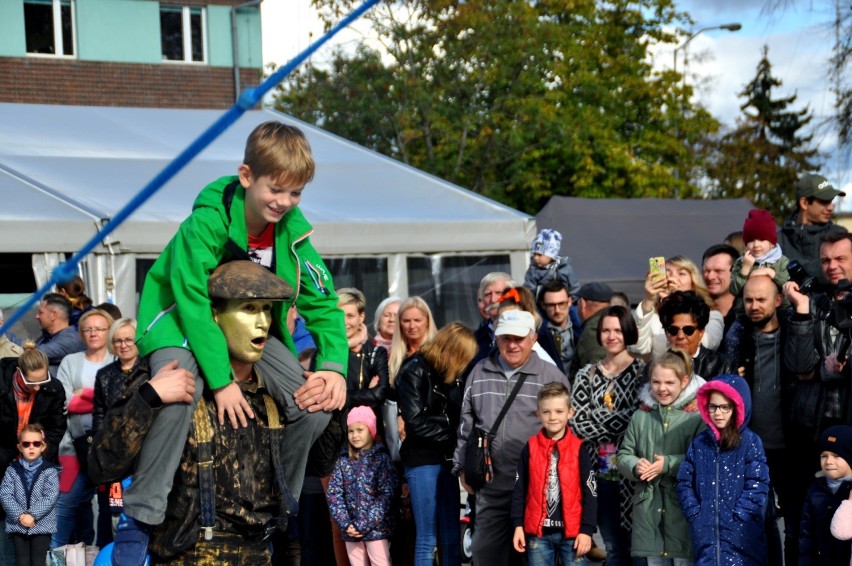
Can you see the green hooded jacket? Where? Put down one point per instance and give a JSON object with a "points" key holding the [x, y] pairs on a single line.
{"points": [[175, 310]]}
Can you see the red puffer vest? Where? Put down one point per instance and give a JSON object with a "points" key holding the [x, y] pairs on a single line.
{"points": [[568, 468]]}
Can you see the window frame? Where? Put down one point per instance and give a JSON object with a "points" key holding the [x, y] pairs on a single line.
{"points": [[186, 25], [58, 36]]}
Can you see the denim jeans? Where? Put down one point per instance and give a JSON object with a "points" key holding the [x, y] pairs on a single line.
{"points": [[7, 548], [543, 550], [435, 503], [75, 521], [616, 538]]}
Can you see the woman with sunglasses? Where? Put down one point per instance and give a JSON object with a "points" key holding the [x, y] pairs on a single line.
{"points": [[75, 520], [121, 342], [604, 398], [681, 275], [28, 395]]}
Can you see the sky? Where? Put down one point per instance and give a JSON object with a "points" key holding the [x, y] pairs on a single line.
{"points": [[720, 63]]}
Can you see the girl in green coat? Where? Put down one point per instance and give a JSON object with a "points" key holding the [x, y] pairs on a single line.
{"points": [[654, 445]]}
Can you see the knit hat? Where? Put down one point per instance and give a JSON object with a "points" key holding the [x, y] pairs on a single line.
{"points": [[364, 415], [760, 226], [837, 439], [548, 242], [816, 186]]}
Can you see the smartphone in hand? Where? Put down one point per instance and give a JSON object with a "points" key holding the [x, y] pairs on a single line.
{"points": [[657, 266]]}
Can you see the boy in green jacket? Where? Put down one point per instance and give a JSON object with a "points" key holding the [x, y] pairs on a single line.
{"points": [[253, 215]]}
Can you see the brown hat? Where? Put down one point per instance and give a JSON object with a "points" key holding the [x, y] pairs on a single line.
{"points": [[245, 279]]}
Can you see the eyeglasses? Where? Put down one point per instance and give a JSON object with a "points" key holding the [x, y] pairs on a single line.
{"points": [[556, 306], [123, 342], [34, 443], [28, 382], [712, 408], [687, 330], [92, 329]]}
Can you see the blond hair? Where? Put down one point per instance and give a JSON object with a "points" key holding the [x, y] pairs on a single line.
{"points": [[698, 284], [450, 351], [90, 313], [676, 360], [352, 296], [399, 348], [32, 359], [281, 152]]}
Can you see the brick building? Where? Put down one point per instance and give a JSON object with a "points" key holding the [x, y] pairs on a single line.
{"points": [[148, 53]]}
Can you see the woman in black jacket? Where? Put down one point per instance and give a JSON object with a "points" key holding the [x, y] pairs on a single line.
{"points": [[430, 391]]}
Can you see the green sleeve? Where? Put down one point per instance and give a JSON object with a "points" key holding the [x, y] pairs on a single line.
{"points": [[197, 249], [627, 456], [737, 279]]}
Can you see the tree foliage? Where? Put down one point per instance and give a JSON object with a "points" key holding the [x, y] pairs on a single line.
{"points": [[518, 101], [762, 158]]}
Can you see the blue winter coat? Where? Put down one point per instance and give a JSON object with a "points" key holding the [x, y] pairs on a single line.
{"points": [[361, 492], [39, 501], [723, 492]]}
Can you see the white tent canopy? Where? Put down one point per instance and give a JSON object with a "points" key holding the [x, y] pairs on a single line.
{"points": [[66, 169]]}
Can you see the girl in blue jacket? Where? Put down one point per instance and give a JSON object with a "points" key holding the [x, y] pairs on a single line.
{"points": [[723, 482]]}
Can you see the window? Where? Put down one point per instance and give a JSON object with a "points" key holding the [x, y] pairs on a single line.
{"points": [[182, 34], [49, 27]]}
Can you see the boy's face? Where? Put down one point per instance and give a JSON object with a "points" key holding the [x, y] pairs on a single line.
{"points": [[266, 200], [554, 414], [759, 247], [245, 324], [542, 260], [31, 446], [833, 466]]}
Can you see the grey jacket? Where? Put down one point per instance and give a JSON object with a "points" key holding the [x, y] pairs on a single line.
{"points": [[485, 393], [800, 242]]}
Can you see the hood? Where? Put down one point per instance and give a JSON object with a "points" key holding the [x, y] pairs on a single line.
{"points": [[734, 388], [685, 397]]}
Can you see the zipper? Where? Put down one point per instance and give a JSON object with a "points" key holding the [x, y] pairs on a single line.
{"points": [[298, 263], [718, 542]]}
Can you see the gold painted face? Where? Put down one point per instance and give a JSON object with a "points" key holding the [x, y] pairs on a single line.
{"points": [[245, 324]]}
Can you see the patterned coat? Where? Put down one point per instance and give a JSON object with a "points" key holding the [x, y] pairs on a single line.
{"points": [[361, 492], [39, 501]]}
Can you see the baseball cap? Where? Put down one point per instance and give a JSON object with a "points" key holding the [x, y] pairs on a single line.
{"points": [[598, 292], [816, 186], [515, 323]]}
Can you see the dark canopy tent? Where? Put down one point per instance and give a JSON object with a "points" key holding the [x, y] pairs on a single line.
{"points": [[610, 240]]}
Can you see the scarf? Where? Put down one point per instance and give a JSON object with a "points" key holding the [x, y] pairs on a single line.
{"points": [[30, 469], [772, 256], [24, 399], [834, 485]]}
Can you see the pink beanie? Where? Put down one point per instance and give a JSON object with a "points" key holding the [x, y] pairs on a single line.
{"points": [[364, 415]]}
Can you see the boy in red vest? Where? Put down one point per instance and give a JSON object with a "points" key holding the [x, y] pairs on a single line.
{"points": [[554, 505]]}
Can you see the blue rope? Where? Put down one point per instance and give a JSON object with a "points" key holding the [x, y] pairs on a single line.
{"points": [[247, 100]]}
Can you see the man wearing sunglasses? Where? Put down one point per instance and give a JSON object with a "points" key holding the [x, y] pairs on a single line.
{"points": [[684, 316], [800, 235]]}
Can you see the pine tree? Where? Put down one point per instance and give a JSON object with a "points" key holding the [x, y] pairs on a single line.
{"points": [[764, 155]]}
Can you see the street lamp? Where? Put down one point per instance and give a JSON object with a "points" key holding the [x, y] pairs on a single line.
{"points": [[730, 27]]}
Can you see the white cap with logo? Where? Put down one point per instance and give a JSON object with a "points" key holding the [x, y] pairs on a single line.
{"points": [[515, 323]]}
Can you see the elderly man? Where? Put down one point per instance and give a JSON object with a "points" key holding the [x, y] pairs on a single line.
{"points": [[593, 299], [491, 288], [717, 263], [58, 338], [488, 386], [800, 235], [245, 490]]}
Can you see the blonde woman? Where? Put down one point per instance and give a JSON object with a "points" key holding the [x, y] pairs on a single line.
{"points": [[414, 326]]}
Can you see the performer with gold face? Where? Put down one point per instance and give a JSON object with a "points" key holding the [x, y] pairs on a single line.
{"points": [[249, 493]]}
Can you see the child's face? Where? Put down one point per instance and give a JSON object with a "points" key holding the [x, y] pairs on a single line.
{"points": [[667, 385], [359, 436], [266, 200], [759, 247], [720, 409], [554, 414], [31, 445], [833, 466], [541, 260]]}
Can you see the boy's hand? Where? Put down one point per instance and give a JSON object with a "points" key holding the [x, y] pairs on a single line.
{"points": [[173, 384], [748, 263], [582, 544], [230, 400], [519, 540], [323, 391], [768, 271]]}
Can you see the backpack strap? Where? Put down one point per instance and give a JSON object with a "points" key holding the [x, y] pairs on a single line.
{"points": [[206, 481]]}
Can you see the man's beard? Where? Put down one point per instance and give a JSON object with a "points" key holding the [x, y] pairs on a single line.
{"points": [[760, 324]]}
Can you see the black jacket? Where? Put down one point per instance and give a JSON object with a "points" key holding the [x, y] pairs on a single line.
{"points": [[109, 384], [816, 545], [371, 360], [431, 410], [800, 242], [709, 364], [48, 410]]}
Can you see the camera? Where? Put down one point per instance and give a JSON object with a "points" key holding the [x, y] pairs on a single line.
{"points": [[806, 283]]}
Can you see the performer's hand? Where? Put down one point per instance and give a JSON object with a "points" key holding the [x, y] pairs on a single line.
{"points": [[173, 384], [230, 401], [323, 391]]}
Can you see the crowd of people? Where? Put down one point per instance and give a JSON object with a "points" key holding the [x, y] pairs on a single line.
{"points": [[260, 421]]}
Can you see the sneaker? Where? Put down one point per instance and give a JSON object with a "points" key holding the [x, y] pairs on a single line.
{"points": [[130, 545]]}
